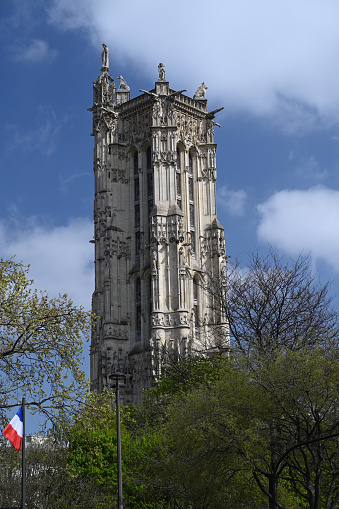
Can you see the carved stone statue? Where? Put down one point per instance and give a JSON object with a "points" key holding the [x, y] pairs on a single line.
{"points": [[104, 56], [182, 257], [161, 69], [154, 260], [201, 92], [123, 85]]}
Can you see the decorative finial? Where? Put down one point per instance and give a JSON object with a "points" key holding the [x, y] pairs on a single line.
{"points": [[105, 59], [161, 69], [201, 92], [123, 85]]}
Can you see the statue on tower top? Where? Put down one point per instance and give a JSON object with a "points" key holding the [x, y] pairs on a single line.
{"points": [[201, 92], [105, 59], [161, 70]]}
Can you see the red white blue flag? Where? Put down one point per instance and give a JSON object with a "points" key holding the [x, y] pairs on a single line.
{"points": [[14, 431]]}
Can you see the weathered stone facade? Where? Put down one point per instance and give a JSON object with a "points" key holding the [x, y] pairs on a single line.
{"points": [[156, 233]]}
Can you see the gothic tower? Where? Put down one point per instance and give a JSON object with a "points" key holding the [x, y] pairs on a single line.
{"points": [[156, 232]]}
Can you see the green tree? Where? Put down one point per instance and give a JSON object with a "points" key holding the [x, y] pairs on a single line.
{"points": [[179, 377], [93, 455], [301, 391], [40, 346], [259, 438], [146, 424], [206, 431]]}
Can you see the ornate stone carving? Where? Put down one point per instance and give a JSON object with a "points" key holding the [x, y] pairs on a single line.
{"points": [[119, 175], [104, 120], [100, 220], [170, 320], [115, 331], [104, 91], [210, 131], [201, 92], [213, 244], [166, 229], [162, 112], [123, 85], [208, 167], [137, 127], [117, 151], [114, 246], [167, 157], [190, 129]]}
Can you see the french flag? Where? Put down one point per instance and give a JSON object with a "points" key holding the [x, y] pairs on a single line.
{"points": [[14, 431]]}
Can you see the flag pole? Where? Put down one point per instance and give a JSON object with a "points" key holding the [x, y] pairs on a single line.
{"points": [[23, 469]]}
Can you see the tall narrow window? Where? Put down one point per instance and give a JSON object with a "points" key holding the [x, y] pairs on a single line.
{"points": [[149, 180], [178, 174], [137, 243], [136, 189], [195, 308], [191, 203], [135, 164], [136, 204], [138, 308], [150, 190], [137, 216], [150, 294]]}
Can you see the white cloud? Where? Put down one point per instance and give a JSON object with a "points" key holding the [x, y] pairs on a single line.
{"points": [[61, 257], [309, 168], [66, 181], [271, 58], [40, 137], [35, 50], [296, 220], [232, 201]]}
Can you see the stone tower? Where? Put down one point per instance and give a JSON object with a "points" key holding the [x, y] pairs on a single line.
{"points": [[156, 232]]}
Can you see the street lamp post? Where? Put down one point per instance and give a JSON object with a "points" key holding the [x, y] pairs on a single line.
{"points": [[118, 381]]}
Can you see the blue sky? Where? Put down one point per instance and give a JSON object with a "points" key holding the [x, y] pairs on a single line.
{"points": [[272, 65]]}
